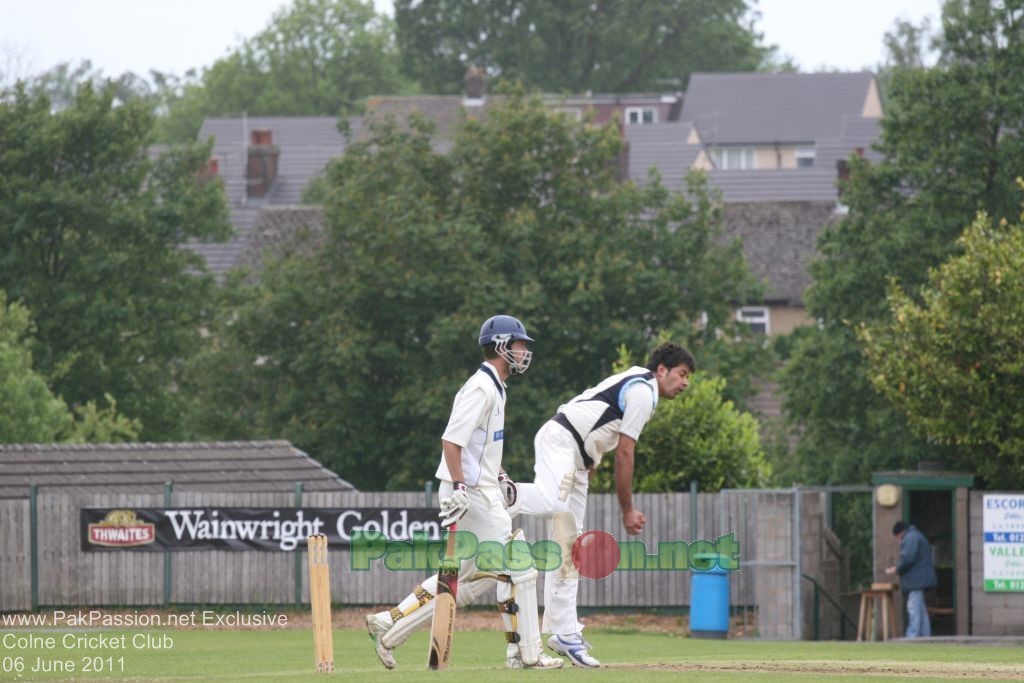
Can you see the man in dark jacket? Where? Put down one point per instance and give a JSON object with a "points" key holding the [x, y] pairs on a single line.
{"points": [[917, 574]]}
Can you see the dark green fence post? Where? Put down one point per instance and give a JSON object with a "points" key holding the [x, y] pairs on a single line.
{"points": [[33, 526], [298, 550], [168, 489]]}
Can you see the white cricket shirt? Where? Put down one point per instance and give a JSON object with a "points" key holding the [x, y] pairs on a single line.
{"points": [[477, 424], [621, 404]]}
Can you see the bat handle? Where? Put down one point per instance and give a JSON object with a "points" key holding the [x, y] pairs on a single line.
{"points": [[450, 547]]}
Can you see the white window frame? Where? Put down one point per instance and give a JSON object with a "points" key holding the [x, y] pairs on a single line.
{"points": [[747, 158], [755, 315], [639, 111], [803, 154]]}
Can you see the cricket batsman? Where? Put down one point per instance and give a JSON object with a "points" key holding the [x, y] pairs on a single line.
{"points": [[474, 491]]}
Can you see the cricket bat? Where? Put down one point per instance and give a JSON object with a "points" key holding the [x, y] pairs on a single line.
{"points": [[443, 627]]}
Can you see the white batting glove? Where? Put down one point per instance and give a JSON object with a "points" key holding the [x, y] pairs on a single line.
{"points": [[454, 506], [567, 485], [508, 489]]}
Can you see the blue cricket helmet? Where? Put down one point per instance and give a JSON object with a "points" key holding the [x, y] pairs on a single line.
{"points": [[502, 328]]}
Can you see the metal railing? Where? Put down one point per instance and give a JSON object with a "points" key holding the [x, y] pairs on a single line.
{"points": [[818, 591]]}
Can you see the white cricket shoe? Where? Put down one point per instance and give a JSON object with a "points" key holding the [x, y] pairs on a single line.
{"points": [[514, 660], [377, 627], [575, 648]]}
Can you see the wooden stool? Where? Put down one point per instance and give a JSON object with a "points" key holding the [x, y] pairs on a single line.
{"points": [[883, 592]]}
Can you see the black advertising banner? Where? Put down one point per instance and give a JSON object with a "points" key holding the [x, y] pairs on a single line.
{"points": [[271, 529]]}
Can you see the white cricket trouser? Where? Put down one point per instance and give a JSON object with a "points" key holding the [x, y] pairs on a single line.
{"points": [[556, 455]]}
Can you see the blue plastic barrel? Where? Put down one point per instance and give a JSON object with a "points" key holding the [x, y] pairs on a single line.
{"points": [[709, 603]]}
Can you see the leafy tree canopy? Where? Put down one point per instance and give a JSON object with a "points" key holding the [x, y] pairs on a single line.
{"points": [[602, 46], [315, 58], [91, 231], [29, 412], [951, 146], [354, 349], [952, 359]]}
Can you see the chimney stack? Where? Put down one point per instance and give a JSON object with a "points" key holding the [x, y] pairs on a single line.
{"points": [[476, 86], [261, 167]]}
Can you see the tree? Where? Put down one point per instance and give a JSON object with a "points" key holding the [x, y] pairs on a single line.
{"points": [[951, 358], [355, 349], [622, 46], [951, 148], [315, 58], [29, 412], [91, 232]]}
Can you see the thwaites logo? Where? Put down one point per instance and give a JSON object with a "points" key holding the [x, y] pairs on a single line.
{"points": [[120, 529]]}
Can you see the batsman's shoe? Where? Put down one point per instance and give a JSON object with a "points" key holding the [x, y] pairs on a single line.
{"points": [[545, 661], [377, 627], [575, 648]]}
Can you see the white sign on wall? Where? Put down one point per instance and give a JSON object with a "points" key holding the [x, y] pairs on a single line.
{"points": [[1003, 527]]}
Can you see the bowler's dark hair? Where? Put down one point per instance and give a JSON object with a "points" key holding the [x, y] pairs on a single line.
{"points": [[899, 527], [671, 355]]}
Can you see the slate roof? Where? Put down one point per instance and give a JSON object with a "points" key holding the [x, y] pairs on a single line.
{"points": [[788, 108], [276, 230], [445, 111], [779, 241], [243, 466], [662, 146], [306, 144]]}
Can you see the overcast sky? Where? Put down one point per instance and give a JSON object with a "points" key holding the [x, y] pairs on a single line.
{"points": [[176, 35]]}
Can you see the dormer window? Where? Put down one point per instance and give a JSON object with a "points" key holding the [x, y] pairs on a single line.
{"points": [[805, 157], [734, 158], [641, 115]]}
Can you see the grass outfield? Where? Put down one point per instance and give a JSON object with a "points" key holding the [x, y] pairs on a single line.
{"points": [[286, 655]]}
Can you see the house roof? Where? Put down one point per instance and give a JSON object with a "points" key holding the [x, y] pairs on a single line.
{"points": [[306, 145], [662, 146], [779, 241], [445, 111], [791, 108], [277, 228], [247, 466]]}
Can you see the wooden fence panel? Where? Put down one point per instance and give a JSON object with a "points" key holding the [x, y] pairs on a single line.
{"points": [[15, 564], [69, 576]]}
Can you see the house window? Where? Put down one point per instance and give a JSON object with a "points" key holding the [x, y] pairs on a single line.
{"points": [[756, 317], [574, 113], [805, 157], [640, 115], [734, 158]]}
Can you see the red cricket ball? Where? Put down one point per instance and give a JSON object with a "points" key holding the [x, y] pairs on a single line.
{"points": [[595, 554]]}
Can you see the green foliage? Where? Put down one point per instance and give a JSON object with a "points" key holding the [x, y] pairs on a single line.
{"points": [[355, 349], [29, 412], [953, 361], [950, 151], [316, 57], [92, 231], [622, 46]]}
